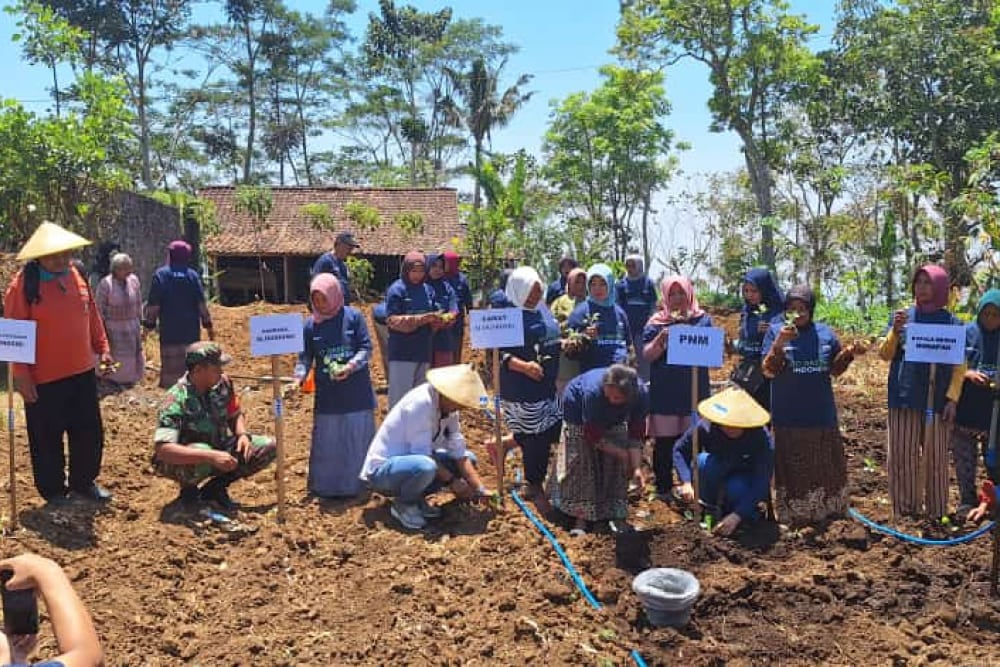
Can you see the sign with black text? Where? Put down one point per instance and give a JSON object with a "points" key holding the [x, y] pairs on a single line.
{"points": [[935, 344], [275, 334], [496, 327], [17, 341], [695, 346]]}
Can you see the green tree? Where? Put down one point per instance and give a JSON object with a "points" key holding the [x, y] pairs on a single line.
{"points": [[479, 106], [68, 167], [937, 68], [756, 55], [397, 111], [608, 151], [256, 202], [46, 38]]}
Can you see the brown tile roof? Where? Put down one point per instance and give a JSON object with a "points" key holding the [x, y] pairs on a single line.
{"points": [[290, 233]]}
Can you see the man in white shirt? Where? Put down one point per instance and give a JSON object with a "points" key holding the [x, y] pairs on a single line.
{"points": [[419, 449]]}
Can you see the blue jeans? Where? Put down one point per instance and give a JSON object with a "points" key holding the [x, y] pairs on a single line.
{"points": [[721, 484], [412, 476]]}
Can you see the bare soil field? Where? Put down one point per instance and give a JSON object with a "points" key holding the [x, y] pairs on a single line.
{"points": [[340, 583]]}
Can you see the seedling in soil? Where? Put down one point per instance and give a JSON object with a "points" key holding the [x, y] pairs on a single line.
{"points": [[110, 367], [607, 635], [496, 500], [870, 465], [707, 522]]}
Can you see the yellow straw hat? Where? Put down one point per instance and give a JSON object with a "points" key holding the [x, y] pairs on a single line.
{"points": [[50, 239], [459, 383], [733, 407]]}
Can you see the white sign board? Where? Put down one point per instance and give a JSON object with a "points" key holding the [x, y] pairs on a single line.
{"points": [[17, 341], [935, 344], [695, 346], [275, 334], [496, 327]]}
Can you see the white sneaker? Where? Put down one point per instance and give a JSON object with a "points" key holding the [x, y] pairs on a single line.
{"points": [[429, 511], [409, 515]]}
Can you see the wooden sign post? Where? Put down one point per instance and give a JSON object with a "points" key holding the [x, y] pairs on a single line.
{"points": [[932, 344], [496, 328], [696, 347], [17, 345], [272, 336]]}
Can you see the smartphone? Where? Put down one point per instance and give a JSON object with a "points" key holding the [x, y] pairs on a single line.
{"points": [[20, 608]]}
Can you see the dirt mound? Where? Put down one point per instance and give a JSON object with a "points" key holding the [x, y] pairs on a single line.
{"points": [[339, 583]]}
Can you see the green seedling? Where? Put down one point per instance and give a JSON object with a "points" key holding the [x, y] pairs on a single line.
{"points": [[870, 465], [447, 316], [110, 367], [607, 635], [945, 521], [790, 317], [541, 358], [707, 522], [675, 314], [496, 500], [762, 309]]}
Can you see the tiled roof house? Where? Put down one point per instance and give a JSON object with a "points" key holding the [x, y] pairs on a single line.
{"points": [[291, 243]]}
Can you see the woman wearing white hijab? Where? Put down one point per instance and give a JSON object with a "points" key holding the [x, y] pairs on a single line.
{"points": [[528, 380]]}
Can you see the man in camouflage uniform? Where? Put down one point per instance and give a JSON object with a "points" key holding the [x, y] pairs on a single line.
{"points": [[201, 433]]}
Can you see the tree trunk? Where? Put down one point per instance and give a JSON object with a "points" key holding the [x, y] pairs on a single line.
{"points": [[251, 107], [55, 91], [761, 184], [645, 228], [477, 192], [140, 105]]}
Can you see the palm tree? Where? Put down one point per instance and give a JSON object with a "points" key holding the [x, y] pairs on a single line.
{"points": [[482, 109]]}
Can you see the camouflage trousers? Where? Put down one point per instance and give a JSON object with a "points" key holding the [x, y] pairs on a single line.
{"points": [[263, 451]]}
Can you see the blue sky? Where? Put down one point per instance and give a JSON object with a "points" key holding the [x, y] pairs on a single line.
{"points": [[562, 42]]}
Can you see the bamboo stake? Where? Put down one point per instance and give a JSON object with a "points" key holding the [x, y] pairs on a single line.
{"points": [[279, 436], [10, 444], [498, 423], [694, 437], [928, 439]]}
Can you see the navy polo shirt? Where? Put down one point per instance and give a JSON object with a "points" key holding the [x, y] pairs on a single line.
{"points": [[908, 381], [975, 408], [802, 394], [613, 335], [328, 263], [541, 344], [403, 298], [178, 293], [670, 386], [444, 302], [638, 299], [751, 341], [338, 339]]}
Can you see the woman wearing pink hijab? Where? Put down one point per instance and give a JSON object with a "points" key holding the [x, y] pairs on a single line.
{"points": [[908, 387], [337, 343], [670, 406]]}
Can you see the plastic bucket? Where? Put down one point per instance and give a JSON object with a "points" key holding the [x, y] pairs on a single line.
{"points": [[667, 594]]}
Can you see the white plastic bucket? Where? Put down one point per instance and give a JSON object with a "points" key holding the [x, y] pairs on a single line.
{"points": [[667, 594]]}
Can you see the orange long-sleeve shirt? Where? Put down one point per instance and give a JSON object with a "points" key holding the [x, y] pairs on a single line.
{"points": [[69, 327]]}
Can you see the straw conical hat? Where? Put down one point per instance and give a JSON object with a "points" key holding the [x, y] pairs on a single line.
{"points": [[50, 239], [733, 407], [458, 383]]}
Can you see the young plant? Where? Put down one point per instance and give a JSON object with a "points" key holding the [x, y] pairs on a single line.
{"points": [[334, 366], [790, 317], [761, 309]]}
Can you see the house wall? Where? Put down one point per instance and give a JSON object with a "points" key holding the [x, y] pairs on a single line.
{"points": [[239, 279], [143, 227]]}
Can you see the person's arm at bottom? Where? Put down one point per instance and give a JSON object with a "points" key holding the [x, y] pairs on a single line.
{"points": [[78, 643]]}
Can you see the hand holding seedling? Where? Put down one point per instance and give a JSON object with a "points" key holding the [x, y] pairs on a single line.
{"points": [[531, 369], [728, 525], [899, 319], [686, 492], [977, 378]]}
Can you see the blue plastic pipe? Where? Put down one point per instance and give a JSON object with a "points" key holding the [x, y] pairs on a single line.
{"points": [[922, 541], [568, 564]]}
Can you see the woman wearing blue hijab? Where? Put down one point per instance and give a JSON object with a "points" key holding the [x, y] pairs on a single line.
{"points": [[602, 321], [763, 305]]}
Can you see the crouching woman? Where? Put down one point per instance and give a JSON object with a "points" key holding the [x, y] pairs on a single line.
{"points": [[604, 423], [735, 461]]}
